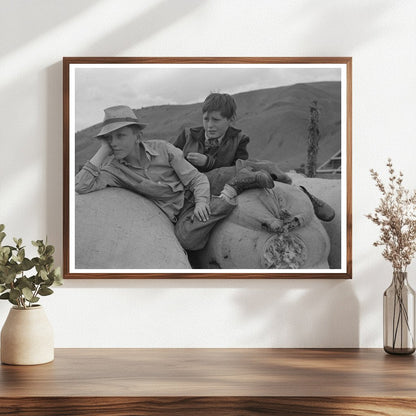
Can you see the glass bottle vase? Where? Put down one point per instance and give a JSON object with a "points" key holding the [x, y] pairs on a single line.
{"points": [[399, 316]]}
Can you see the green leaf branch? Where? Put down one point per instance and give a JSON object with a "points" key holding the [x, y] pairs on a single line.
{"points": [[23, 280]]}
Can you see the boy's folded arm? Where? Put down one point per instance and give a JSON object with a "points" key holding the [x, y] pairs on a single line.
{"points": [[209, 163]]}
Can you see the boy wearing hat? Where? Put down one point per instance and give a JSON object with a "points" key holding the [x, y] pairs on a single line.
{"points": [[158, 170]]}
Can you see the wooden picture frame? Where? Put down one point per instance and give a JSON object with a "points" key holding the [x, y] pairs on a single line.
{"points": [[281, 104]]}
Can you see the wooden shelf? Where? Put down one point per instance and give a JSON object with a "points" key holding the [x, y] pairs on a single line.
{"points": [[212, 382]]}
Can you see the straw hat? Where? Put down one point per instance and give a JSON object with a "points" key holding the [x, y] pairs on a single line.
{"points": [[117, 117]]}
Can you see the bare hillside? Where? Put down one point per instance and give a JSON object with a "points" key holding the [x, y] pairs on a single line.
{"points": [[275, 119]]}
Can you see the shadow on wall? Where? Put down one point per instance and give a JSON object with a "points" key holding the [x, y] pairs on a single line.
{"points": [[4, 311], [41, 17], [337, 18], [147, 24], [300, 313], [130, 34], [54, 167], [38, 18], [137, 29], [375, 277], [282, 313]]}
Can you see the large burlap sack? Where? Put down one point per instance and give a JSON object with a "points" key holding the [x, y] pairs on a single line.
{"points": [[329, 190], [269, 229], [118, 229]]}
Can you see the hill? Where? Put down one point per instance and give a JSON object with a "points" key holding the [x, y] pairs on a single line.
{"points": [[275, 119]]}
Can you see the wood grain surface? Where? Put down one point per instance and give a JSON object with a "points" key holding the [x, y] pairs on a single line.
{"points": [[212, 382]]}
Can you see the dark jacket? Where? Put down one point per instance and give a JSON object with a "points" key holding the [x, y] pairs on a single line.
{"points": [[233, 146]]}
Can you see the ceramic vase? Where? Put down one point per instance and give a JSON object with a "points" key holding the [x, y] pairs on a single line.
{"points": [[27, 337]]}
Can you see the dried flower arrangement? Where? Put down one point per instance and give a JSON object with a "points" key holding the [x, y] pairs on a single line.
{"points": [[396, 216]]}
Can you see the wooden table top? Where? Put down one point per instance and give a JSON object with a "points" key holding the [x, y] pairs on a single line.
{"points": [[214, 372]]}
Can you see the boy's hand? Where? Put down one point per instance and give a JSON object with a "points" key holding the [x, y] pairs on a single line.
{"points": [[197, 159], [202, 211], [105, 148], [103, 152]]}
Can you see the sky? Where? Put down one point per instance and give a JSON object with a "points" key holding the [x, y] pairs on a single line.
{"points": [[97, 87]]}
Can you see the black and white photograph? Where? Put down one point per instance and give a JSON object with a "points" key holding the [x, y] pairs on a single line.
{"points": [[213, 167]]}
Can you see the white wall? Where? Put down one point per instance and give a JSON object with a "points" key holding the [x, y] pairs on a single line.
{"points": [[380, 35]]}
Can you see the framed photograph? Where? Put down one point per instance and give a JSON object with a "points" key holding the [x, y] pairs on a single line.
{"points": [[207, 167]]}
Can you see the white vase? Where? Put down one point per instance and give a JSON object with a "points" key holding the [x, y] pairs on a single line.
{"points": [[27, 337]]}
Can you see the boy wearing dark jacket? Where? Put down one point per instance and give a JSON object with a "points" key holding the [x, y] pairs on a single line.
{"points": [[216, 144]]}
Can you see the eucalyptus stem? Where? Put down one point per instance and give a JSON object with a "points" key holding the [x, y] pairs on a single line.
{"points": [[36, 291]]}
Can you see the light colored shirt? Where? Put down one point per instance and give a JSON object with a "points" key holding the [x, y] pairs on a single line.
{"points": [[163, 176]]}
